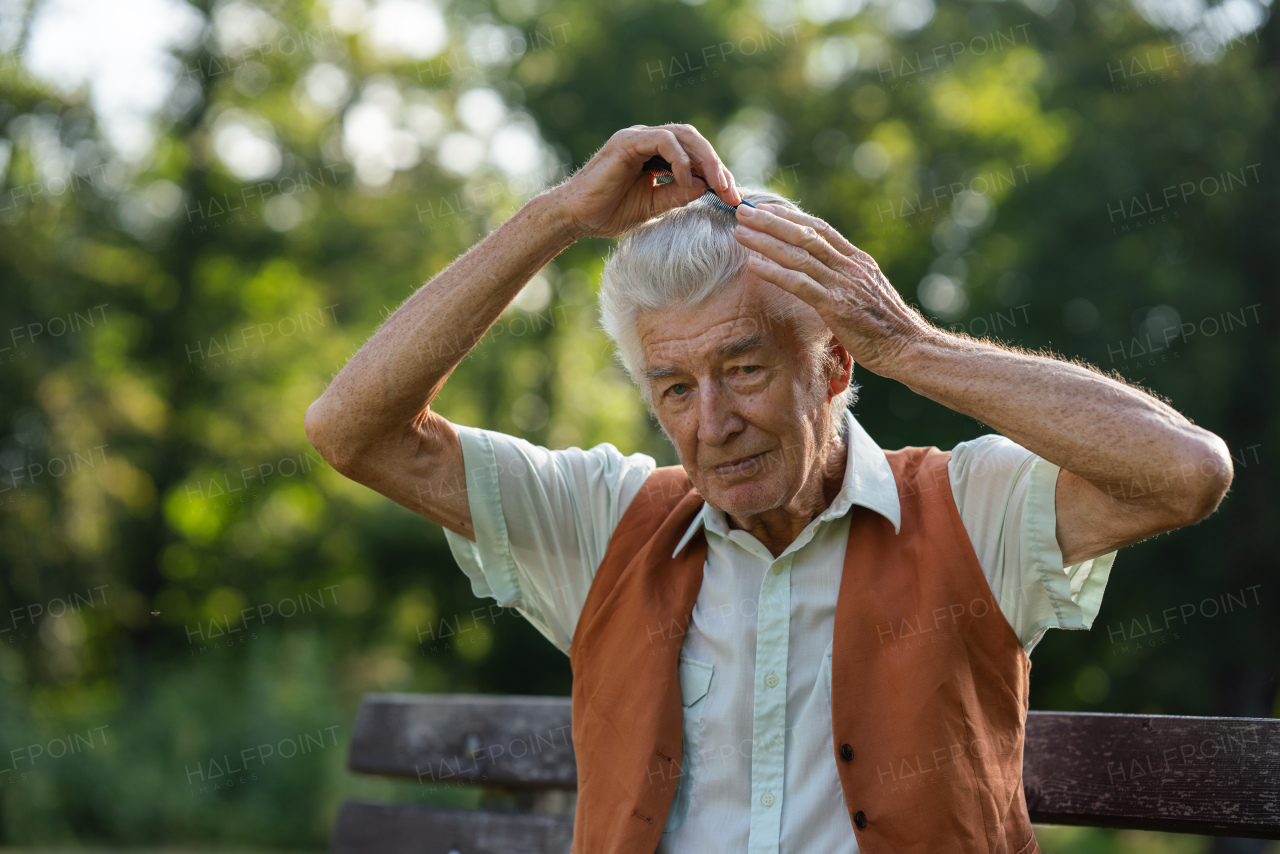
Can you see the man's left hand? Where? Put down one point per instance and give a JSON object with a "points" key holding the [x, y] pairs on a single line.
{"points": [[808, 258]]}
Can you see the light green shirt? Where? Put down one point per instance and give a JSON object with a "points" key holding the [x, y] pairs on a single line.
{"points": [[759, 775]]}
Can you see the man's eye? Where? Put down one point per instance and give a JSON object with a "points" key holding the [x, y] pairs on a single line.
{"points": [[749, 369], [677, 389]]}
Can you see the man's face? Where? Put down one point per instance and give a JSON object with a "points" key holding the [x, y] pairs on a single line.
{"points": [[738, 396]]}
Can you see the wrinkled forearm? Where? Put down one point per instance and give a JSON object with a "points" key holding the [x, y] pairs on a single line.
{"points": [[1126, 443], [400, 370]]}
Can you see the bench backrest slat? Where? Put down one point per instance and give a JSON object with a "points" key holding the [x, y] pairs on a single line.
{"points": [[465, 738], [1151, 772], [397, 829], [1154, 772]]}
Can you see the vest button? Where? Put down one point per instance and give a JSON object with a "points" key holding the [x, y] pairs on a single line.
{"points": [[860, 819], [846, 751]]}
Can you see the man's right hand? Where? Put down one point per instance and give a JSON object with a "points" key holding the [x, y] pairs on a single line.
{"points": [[612, 194], [374, 423]]}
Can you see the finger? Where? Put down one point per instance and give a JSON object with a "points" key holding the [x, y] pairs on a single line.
{"points": [[792, 281], [709, 163], [800, 235], [825, 229], [642, 142], [701, 153], [681, 163], [787, 255]]}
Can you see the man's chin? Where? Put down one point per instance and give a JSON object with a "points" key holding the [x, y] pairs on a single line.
{"points": [[747, 498]]}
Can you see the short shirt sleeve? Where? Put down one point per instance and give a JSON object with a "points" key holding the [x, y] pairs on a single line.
{"points": [[1006, 498], [542, 519]]}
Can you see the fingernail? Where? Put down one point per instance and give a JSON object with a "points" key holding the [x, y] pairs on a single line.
{"points": [[748, 211]]}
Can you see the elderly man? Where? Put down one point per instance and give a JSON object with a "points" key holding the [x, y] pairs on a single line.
{"points": [[794, 640]]}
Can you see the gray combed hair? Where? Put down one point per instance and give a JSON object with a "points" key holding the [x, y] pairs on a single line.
{"points": [[681, 258]]}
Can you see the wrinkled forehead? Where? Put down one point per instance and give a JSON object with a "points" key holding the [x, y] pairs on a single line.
{"points": [[748, 314]]}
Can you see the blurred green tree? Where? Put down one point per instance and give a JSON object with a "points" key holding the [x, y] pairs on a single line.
{"points": [[1019, 169]]}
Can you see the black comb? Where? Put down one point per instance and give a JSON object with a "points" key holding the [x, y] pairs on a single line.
{"points": [[658, 165]]}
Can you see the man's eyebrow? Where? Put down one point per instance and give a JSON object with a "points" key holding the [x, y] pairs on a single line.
{"points": [[654, 374], [732, 350]]}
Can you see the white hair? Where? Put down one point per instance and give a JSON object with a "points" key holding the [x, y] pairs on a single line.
{"points": [[682, 258]]}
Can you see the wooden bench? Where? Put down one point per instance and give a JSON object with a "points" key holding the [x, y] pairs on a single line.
{"points": [[1215, 776]]}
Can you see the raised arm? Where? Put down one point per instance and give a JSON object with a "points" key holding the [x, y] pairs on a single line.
{"points": [[374, 423], [1131, 465]]}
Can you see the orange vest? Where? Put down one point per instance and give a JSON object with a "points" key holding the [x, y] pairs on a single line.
{"points": [[929, 681]]}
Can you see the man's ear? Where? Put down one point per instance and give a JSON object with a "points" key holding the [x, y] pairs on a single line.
{"points": [[842, 375]]}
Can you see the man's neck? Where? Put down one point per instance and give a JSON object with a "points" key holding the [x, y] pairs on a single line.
{"points": [[778, 528]]}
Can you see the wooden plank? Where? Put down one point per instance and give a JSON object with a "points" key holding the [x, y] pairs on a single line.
{"points": [[1150, 772], [469, 738], [411, 829], [1218, 776]]}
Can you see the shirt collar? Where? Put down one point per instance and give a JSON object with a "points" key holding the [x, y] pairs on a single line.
{"points": [[868, 482]]}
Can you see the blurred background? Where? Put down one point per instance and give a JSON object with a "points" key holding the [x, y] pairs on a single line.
{"points": [[206, 209]]}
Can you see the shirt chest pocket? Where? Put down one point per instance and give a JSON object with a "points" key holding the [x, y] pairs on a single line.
{"points": [[695, 682]]}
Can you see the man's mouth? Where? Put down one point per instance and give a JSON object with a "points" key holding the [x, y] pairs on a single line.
{"points": [[739, 466]]}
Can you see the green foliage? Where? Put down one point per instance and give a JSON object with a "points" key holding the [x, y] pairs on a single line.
{"points": [[156, 463]]}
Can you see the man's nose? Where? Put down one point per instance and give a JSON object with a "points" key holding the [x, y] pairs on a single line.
{"points": [[717, 421]]}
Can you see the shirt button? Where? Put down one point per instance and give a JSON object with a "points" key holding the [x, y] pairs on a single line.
{"points": [[777, 569], [767, 800], [847, 752], [860, 818], [771, 680]]}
